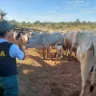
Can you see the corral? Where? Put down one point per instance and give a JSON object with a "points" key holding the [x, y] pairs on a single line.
{"points": [[39, 77]]}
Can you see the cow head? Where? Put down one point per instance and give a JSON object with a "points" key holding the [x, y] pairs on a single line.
{"points": [[34, 40]]}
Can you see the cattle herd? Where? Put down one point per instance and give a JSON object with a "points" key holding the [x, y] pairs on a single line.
{"points": [[83, 43]]}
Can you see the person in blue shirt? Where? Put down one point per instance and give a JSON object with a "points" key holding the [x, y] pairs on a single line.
{"points": [[8, 54]]}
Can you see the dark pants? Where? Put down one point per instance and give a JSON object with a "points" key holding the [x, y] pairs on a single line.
{"points": [[9, 86], [1, 91]]}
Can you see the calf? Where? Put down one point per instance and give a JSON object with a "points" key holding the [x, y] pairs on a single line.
{"points": [[59, 51]]}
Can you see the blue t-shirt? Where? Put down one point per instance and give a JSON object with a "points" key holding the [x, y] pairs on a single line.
{"points": [[14, 50]]}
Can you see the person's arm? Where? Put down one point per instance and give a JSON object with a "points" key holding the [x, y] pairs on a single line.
{"points": [[15, 52]]}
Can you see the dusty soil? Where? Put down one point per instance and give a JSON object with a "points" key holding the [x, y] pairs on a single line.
{"points": [[39, 77]]}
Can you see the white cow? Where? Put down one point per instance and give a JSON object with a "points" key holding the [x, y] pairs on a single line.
{"points": [[86, 54], [59, 51], [44, 40], [23, 37], [70, 42]]}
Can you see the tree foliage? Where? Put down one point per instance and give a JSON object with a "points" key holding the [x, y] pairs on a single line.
{"points": [[2, 14], [76, 25], [72, 25]]}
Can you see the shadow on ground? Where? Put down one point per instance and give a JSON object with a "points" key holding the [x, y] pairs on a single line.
{"points": [[42, 78]]}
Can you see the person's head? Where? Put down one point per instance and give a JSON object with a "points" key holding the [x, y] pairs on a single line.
{"points": [[9, 33], [6, 30]]}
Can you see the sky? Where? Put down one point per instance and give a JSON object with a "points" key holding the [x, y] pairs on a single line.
{"points": [[49, 10]]}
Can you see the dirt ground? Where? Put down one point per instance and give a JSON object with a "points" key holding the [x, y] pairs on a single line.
{"points": [[38, 77]]}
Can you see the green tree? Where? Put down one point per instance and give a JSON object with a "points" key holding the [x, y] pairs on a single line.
{"points": [[2, 14]]}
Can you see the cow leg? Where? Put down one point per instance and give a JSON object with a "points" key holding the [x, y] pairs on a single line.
{"points": [[71, 49], [75, 53], [44, 54], [84, 76], [66, 51], [92, 81], [61, 54], [94, 69], [68, 54], [56, 57], [49, 53], [55, 54], [93, 78], [87, 62]]}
